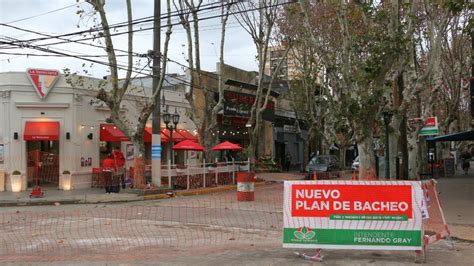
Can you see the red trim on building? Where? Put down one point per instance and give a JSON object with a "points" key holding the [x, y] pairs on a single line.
{"points": [[188, 135], [147, 135], [176, 136]]}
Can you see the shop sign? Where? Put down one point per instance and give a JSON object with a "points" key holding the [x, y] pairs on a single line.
{"points": [[240, 104], [353, 215], [43, 80], [431, 127]]}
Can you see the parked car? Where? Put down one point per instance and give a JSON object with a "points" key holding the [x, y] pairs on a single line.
{"points": [[355, 164], [322, 163]]}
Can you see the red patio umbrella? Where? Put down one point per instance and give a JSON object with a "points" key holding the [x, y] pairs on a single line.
{"points": [[226, 145], [188, 145]]}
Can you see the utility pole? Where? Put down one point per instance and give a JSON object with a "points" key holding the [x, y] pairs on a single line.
{"points": [[156, 117]]}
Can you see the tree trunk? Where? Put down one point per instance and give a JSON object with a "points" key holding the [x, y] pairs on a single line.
{"points": [[414, 165], [252, 151], [404, 149], [393, 139], [305, 153], [139, 165], [366, 159], [342, 157], [208, 141]]}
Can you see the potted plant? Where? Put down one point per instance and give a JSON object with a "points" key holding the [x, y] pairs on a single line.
{"points": [[15, 180], [66, 183]]}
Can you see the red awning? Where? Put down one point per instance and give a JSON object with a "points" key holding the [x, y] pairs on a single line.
{"points": [[148, 134], [188, 145], [188, 135], [109, 132], [41, 131], [176, 136]]}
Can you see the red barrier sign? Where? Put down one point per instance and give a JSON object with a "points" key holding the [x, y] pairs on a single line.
{"points": [[324, 200]]}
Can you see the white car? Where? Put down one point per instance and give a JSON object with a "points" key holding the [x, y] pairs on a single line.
{"points": [[355, 164]]}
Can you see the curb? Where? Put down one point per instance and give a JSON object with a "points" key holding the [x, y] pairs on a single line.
{"points": [[38, 203], [199, 191], [62, 202], [193, 192]]}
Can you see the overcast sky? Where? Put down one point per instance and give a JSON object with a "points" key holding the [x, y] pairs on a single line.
{"points": [[240, 50]]}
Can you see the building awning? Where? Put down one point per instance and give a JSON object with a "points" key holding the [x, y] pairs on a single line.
{"points": [[188, 135], [467, 135], [110, 132], [148, 135], [41, 131], [176, 136]]}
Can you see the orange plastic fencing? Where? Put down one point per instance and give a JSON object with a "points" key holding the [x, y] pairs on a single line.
{"points": [[141, 230], [47, 165], [151, 229], [435, 226]]}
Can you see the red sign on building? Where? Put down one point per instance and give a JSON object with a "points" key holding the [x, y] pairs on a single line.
{"points": [[43, 80], [239, 104]]}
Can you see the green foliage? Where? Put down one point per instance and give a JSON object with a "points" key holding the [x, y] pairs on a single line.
{"points": [[456, 6]]}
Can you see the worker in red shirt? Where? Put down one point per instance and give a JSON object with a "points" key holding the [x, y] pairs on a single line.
{"points": [[109, 172], [119, 165]]}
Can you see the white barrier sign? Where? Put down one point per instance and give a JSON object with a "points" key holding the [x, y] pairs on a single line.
{"points": [[353, 215]]}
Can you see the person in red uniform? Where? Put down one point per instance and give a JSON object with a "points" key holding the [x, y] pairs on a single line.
{"points": [[119, 159], [109, 172]]}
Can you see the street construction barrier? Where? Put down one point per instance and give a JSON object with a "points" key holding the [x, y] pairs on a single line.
{"points": [[186, 226], [245, 186], [373, 215], [435, 225]]}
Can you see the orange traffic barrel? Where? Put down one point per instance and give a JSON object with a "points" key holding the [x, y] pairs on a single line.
{"points": [[245, 186]]}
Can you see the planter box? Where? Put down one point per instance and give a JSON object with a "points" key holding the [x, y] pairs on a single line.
{"points": [[66, 182], [16, 182]]}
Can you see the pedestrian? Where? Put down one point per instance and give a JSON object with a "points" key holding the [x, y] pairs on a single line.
{"points": [[287, 161], [465, 159], [108, 172], [119, 159]]}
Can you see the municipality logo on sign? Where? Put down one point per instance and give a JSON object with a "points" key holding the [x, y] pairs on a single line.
{"points": [[304, 233], [43, 80]]}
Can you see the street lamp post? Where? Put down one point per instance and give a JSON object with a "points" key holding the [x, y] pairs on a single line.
{"points": [[387, 117], [167, 119]]}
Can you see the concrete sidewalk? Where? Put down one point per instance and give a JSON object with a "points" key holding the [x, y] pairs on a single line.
{"points": [[98, 195], [52, 196], [456, 195]]}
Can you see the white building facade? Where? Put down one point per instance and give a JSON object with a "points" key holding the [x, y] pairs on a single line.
{"points": [[41, 111]]}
